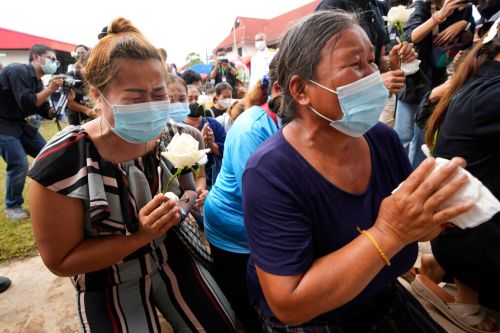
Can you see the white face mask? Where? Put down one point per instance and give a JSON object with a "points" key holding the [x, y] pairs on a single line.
{"points": [[225, 103], [260, 45], [362, 102]]}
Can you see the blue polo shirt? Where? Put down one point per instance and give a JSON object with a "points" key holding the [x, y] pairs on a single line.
{"points": [[223, 216]]}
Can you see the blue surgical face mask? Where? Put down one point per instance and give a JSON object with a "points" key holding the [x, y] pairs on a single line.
{"points": [[50, 66], [362, 102], [139, 123], [179, 111]]}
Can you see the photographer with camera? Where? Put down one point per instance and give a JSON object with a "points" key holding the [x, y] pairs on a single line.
{"points": [[223, 71], [79, 108], [21, 95]]}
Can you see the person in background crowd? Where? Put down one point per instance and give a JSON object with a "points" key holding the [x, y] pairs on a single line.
{"points": [[241, 91], [213, 133], [226, 120], [104, 33], [79, 108], [236, 110], [164, 57], [371, 20], [78, 54], [172, 69], [222, 100], [179, 110], [259, 65], [21, 95], [466, 122], [223, 218], [433, 26], [99, 213], [326, 254], [191, 78], [223, 71], [194, 92]]}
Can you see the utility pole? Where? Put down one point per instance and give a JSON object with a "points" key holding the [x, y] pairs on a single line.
{"points": [[234, 37]]}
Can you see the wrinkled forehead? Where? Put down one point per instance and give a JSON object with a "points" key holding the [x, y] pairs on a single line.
{"points": [[349, 41]]}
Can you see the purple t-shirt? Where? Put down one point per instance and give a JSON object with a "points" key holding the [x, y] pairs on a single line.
{"points": [[293, 215]]}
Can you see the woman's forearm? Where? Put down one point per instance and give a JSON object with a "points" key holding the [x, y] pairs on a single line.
{"points": [[420, 32], [97, 253], [331, 281]]}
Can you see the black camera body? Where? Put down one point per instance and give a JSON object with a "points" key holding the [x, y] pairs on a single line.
{"points": [[71, 83]]}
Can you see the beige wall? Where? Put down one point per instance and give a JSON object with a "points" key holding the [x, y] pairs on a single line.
{"points": [[19, 56]]}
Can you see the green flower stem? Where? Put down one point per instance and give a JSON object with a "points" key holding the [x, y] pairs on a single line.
{"points": [[196, 172], [401, 31], [176, 174]]}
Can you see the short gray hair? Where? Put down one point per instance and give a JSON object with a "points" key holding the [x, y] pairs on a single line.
{"points": [[301, 46]]}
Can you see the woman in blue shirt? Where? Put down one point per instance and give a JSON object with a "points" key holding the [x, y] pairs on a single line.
{"points": [[224, 225], [327, 239]]}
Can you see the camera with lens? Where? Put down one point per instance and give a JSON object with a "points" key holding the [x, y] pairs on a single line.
{"points": [[71, 83], [223, 60]]}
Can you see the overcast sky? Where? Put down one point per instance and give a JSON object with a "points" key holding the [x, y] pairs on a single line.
{"points": [[179, 26]]}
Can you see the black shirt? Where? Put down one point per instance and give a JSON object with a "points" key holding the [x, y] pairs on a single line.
{"points": [[371, 19], [215, 112], [18, 88], [471, 127], [224, 75]]}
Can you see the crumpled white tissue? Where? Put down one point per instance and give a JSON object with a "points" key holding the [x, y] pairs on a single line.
{"points": [[485, 203], [411, 67]]}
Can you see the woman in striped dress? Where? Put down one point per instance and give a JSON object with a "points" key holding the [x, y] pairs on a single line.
{"points": [[98, 212]]}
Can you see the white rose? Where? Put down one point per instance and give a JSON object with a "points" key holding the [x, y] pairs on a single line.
{"points": [[183, 151], [398, 14]]}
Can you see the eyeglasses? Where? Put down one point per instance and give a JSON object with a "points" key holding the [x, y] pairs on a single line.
{"points": [[53, 59]]}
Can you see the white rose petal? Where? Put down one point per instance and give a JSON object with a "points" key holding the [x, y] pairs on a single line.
{"points": [[183, 151], [398, 14]]}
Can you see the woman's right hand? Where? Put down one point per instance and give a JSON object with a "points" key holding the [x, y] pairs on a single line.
{"points": [[449, 6], [158, 216], [411, 213]]}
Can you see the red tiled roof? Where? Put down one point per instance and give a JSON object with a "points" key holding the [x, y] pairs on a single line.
{"points": [[15, 40], [274, 28]]}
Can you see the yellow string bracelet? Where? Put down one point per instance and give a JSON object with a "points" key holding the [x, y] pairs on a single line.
{"points": [[382, 254]]}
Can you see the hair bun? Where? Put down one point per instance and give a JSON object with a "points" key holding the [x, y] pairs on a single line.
{"points": [[120, 25]]}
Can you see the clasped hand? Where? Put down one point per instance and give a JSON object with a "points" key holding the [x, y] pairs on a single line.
{"points": [[412, 213], [158, 216]]}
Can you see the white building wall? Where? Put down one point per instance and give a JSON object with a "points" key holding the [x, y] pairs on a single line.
{"points": [[12, 56]]}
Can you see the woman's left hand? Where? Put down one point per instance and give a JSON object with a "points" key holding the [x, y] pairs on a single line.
{"points": [[394, 81], [450, 33], [201, 195]]}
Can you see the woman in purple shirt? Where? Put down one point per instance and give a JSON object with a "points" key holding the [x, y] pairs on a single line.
{"points": [[327, 239]]}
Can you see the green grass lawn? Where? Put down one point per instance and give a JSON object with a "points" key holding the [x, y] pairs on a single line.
{"points": [[16, 238]]}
